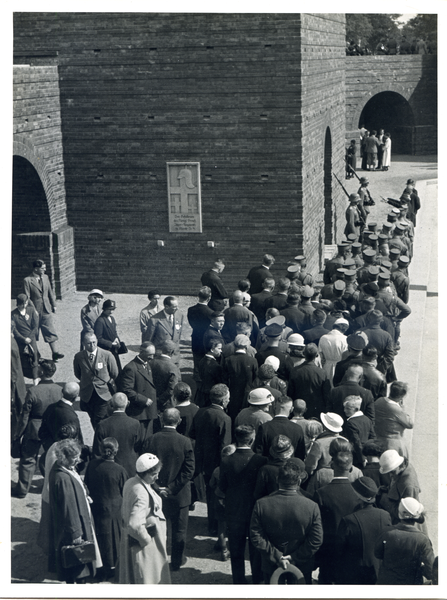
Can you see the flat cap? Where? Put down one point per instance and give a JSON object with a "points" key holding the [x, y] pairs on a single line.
{"points": [[307, 291], [339, 285], [357, 341], [273, 330], [293, 268]]}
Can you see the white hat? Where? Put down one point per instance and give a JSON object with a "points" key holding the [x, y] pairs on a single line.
{"points": [[296, 340], [279, 320], [341, 320], [273, 361], [260, 396], [389, 461], [241, 341], [332, 421], [146, 462], [293, 268], [97, 293], [410, 508]]}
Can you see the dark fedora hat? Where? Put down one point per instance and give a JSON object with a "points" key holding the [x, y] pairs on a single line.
{"points": [[366, 488], [109, 304]]}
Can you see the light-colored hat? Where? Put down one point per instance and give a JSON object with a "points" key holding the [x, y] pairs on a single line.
{"points": [[273, 361], [307, 291], [389, 461], [341, 320], [410, 508], [293, 268], [295, 340], [96, 292], [146, 462], [332, 421], [260, 396], [279, 320], [242, 340]]}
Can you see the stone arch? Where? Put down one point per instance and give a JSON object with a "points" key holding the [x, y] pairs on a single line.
{"points": [[388, 87]]}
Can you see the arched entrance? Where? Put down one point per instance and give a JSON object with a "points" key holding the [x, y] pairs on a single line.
{"points": [[392, 112], [328, 204], [31, 223]]}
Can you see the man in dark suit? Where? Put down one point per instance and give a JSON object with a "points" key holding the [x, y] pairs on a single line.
{"points": [[105, 331], [136, 382], [286, 527], [351, 387], [257, 275], [59, 414], [237, 313], [238, 474], [280, 425], [174, 480], [125, 430], [37, 399], [279, 298], [273, 334], [165, 374], [357, 429], [213, 333], [94, 367], [214, 282], [295, 318], [211, 429], [257, 304], [310, 383], [199, 317], [313, 335], [336, 500], [38, 288], [166, 326], [239, 373]]}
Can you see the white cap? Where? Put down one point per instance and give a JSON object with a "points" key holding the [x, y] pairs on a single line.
{"points": [[296, 340], [146, 462], [260, 396], [97, 293], [273, 361]]}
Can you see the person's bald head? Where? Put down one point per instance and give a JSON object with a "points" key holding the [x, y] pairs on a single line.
{"points": [[238, 297], [119, 401], [354, 373], [70, 391]]}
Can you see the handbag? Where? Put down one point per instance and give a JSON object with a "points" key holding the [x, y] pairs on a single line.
{"points": [[112, 386], [123, 348], [80, 554]]}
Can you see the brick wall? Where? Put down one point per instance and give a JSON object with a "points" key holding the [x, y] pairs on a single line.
{"points": [[413, 77], [39, 208]]}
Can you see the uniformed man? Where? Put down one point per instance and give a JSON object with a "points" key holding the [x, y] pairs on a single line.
{"points": [[343, 252], [354, 218]]}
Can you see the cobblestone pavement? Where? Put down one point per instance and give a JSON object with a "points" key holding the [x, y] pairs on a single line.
{"points": [[28, 563]]}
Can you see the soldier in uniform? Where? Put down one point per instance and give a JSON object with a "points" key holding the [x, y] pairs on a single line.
{"points": [[355, 220], [343, 252]]}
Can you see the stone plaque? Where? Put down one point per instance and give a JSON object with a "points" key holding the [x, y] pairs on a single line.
{"points": [[184, 202]]}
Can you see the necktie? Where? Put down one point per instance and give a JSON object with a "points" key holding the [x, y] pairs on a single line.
{"points": [[91, 357]]}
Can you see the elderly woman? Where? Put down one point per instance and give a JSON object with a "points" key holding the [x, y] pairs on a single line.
{"points": [[105, 480], [406, 552], [143, 557], [404, 482], [25, 327], [71, 520]]}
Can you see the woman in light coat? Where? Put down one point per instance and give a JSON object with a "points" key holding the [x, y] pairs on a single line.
{"points": [[143, 557], [386, 161]]}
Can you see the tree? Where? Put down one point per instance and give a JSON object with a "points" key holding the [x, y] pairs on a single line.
{"points": [[371, 28], [421, 26]]}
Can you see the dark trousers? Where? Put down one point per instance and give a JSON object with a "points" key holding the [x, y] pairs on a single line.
{"points": [[212, 521], [238, 533], [196, 358], [96, 408], [146, 431], [178, 521], [29, 451]]}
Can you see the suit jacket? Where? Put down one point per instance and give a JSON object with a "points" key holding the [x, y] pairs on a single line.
{"points": [[211, 428], [214, 282], [37, 400], [166, 375], [239, 372], [277, 300], [238, 474], [199, 317], [286, 523], [233, 315], [126, 431], [105, 331], [177, 457], [41, 293], [310, 383], [55, 416], [256, 277], [339, 394], [358, 430], [313, 335], [159, 330], [89, 316], [279, 426], [257, 305], [95, 375], [383, 342], [137, 383], [295, 318], [212, 334]]}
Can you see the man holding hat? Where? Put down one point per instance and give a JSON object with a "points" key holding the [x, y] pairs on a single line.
{"points": [[357, 534], [286, 527], [106, 333], [239, 373], [90, 312], [332, 345], [354, 219], [260, 401]]}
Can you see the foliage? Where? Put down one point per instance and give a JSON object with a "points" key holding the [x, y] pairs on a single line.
{"points": [[421, 26], [371, 28]]}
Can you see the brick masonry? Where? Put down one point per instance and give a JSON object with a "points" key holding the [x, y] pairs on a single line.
{"points": [[39, 216]]}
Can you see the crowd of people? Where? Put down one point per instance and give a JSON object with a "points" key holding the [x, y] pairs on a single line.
{"points": [[392, 46], [294, 437], [375, 152]]}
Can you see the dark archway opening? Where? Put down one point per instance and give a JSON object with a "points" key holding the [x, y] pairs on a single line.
{"points": [[391, 112], [328, 205], [31, 224]]}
